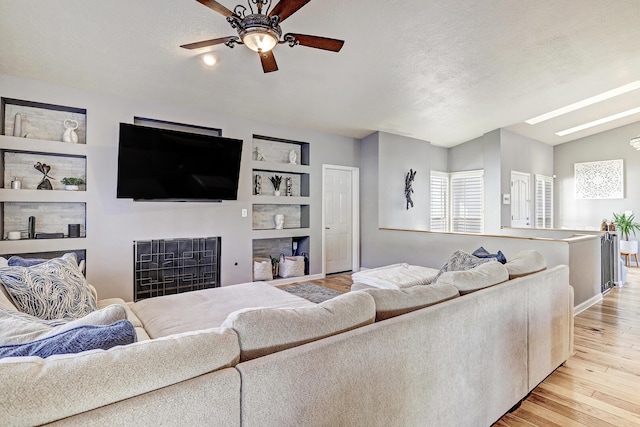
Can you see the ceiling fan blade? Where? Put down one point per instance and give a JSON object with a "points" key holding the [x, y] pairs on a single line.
{"points": [[205, 43], [317, 42], [212, 4], [286, 8], [268, 61]]}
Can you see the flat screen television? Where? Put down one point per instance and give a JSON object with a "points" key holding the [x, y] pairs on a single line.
{"points": [[170, 165]]}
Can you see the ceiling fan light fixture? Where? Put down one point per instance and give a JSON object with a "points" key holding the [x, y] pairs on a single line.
{"points": [[259, 39]]}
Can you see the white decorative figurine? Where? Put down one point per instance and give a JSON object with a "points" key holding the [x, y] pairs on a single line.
{"points": [[70, 134], [279, 221], [292, 157]]}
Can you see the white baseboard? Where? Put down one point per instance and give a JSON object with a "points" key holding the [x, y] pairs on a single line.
{"points": [[588, 303]]}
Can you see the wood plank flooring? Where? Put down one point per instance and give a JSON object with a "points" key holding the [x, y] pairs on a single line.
{"points": [[600, 384]]}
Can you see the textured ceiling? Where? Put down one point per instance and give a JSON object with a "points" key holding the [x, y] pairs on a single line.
{"points": [[441, 71]]}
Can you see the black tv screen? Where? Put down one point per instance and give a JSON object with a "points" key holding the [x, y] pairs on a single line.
{"points": [[161, 164]]}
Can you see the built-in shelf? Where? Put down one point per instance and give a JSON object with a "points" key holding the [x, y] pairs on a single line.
{"points": [[13, 143], [280, 167], [280, 200], [46, 196], [40, 245], [276, 234]]}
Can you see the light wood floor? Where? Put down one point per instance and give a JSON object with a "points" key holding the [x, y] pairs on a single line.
{"points": [[600, 384]]}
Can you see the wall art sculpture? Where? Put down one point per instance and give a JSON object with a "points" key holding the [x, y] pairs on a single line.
{"points": [[599, 180]]}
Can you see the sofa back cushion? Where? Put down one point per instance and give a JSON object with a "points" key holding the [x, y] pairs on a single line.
{"points": [[524, 263], [394, 302], [264, 331], [482, 276]]}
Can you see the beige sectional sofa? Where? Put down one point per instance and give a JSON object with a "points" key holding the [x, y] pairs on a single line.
{"points": [[380, 357]]}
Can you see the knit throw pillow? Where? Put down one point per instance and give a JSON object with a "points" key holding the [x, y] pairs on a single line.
{"points": [[54, 289], [460, 261]]}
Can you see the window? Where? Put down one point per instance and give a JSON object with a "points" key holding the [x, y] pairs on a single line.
{"points": [[467, 201], [439, 201], [544, 201]]}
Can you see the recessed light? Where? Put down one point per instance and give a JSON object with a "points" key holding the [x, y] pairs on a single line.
{"points": [[209, 59], [599, 121], [585, 102]]}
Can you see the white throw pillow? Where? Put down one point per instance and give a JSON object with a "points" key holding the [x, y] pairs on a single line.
{"points": [[55, 289], [19, 328]]}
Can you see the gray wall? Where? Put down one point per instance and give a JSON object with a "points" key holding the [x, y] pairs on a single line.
{"points": [[113, 224], [482, 153], [522, 154], [610, 145]]}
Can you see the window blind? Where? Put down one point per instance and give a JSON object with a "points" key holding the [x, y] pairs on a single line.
{"points": [[439, 211], [467, 201], [544, 201]]}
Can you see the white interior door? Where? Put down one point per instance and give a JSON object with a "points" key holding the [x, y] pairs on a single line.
{"points": [[338, 220], [520, 199]]}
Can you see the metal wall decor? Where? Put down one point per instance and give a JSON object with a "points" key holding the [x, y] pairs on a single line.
{"points": [[408, 186], [599, 180]]}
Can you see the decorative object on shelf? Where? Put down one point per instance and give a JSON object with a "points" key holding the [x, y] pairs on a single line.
{"points": [[293, 157], [31, 234], [70, 134], [276, 180], [258, 28], [291, 266], [289, 186], [17, 125], [16, 184], [408, 186], [612, 226], [257, 185], [73, 230], [14, 235], [262, 269], [259, 156], [274, 266], [44, 168], [604, 226], [72, 184], [279, 220]]}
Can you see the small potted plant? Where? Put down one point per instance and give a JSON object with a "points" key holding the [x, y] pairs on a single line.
{"points": [[72, 184], [626, 226], [276, 180]]}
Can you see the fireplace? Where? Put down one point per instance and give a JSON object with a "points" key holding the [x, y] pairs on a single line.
{"points": [[172, 266]]}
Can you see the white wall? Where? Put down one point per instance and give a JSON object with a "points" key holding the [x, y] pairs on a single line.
{"points": [[113, 224]]}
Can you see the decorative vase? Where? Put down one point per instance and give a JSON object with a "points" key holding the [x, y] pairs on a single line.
{"points": [[279, 221], [276, 192], [17, 125], [629, 246], [293, 157], [70, 134], [72, 187]]}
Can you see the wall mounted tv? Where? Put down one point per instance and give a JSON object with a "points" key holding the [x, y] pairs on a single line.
{"points": [[170, 165]]}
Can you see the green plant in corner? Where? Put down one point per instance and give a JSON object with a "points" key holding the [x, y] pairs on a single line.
{"points": [[626, 225], [72, 181], [276, 180]]}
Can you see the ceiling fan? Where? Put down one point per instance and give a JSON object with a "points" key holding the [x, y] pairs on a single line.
{"points": [[259, 29]]}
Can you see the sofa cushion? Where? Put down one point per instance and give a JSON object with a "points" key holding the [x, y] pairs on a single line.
{"points": [[264, 331], [208, 308], [394, 302], [17, 327], [54, 289], [524, 263], [395, 276], [483, 253], [5, 299], [482, 276], [76, 340], [18, 261], [460, 261]]}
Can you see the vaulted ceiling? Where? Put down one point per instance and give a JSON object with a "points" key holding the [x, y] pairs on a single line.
{"points": [[441, 71]]}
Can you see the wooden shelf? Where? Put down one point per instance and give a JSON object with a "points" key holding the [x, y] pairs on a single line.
{"points": [[42, 196], [279, 200], [41, 245], [13, 143], [284, 233], [279, 167]]}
